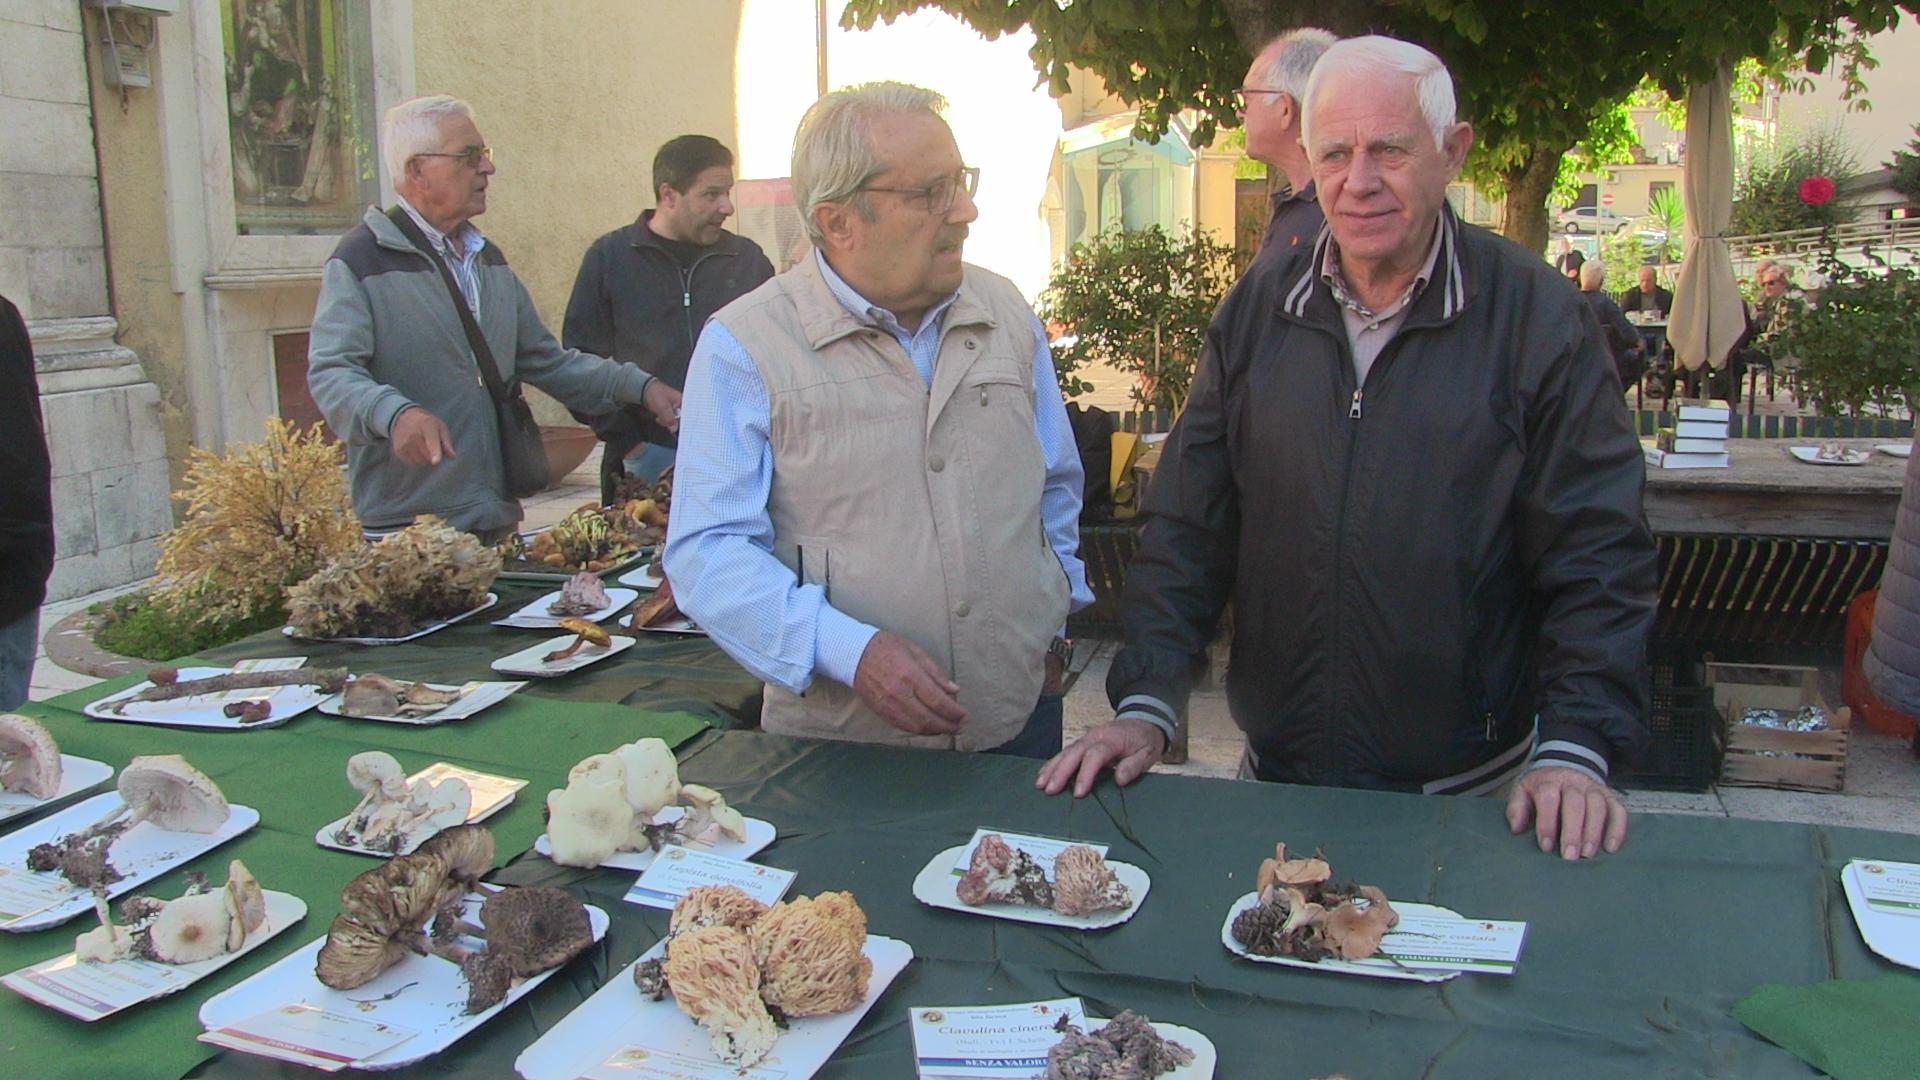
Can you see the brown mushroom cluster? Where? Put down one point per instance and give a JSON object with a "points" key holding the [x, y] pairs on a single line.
{"points": [[425, 572], [377, 695], [1082, 882], [385, 912], [1302, 914], [741, 968], [1124, 1048]]}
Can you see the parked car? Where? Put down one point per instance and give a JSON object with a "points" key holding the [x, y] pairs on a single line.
{"points": [[1592, 219]]}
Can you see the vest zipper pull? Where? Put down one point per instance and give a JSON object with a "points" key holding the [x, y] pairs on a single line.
{"points": [[686, 298], [1490, 731], [1353, 411]]}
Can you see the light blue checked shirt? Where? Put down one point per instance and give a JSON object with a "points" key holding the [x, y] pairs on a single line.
{"points": [[459, 251], [720, 542]]}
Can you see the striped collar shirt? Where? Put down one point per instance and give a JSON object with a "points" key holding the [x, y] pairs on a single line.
{"points": [[1368, 331], [461, 252]]}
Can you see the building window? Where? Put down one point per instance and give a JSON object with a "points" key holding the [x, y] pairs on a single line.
{"points": [[1127, 184]]}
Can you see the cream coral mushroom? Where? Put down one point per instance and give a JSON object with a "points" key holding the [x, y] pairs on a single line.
{"points": [[810, 955], [715, 905], [1083, 883], [707, 808], [652, 775], [29, 758], [588, 821], [190, 928], [716, 981]]}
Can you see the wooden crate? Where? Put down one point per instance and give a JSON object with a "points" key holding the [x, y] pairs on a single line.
{"points": [[1766, 757]]}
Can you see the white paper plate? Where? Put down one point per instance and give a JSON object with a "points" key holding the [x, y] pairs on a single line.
{"points": [[498, 790], [1811, 455], [77, 774], [1377, 968], [435, 1006], [527, 661], [204, 710], [1895, 937], [492, 599], [1899, 450], [641, 577], [678, 625], [475, 697], [759, 835], [535, 617], [934, 886], [618, 1015], [141, 854], [43, 982]]}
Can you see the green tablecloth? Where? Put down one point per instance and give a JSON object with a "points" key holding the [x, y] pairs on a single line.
{"points": [[1631, 964], [295, 776]]}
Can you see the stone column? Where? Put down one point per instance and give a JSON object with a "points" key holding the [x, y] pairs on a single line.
{"points": [[110, 498]]}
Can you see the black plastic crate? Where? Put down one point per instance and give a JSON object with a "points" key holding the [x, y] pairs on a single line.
{"points": [[1684, 754]]}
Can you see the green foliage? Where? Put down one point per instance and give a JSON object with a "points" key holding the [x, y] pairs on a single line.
{"points": [[1669, 212], [150, 626], [1624, 255], [1766, 191], [1138, 301], [1906, 167], [1860, 345]]}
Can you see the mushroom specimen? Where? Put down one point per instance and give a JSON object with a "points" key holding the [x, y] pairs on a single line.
{"points": [[526, 931], [381, 916], [29, 758], [809, 952], [378, 695], [716, 981], [583, 594], [168, 687], [611, 800], [1000, 874], [655, 609], [1083, 883], [1301, 913], [390, 812], [586, 634], [1124, 1048], [425, 572], [162, 789], [198, 925]]}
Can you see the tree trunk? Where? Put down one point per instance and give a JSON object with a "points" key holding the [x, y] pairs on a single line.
{"points": [[1528, 186]]}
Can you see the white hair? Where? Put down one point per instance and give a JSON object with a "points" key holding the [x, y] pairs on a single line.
{"points": [[833, 151], [1593, 274], [1290, 59], [412, 128], [1375, 56]]}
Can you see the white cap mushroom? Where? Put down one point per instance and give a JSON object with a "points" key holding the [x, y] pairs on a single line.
{"points": [[29, 758], [447, 805], [587, 822], [652, 776], [190, 928], [707, 808], [602, 767], [377, 769], [172, 794], [103, 944], [246, 904]]}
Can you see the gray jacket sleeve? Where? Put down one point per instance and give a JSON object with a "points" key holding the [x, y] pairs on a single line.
{"points": [[358, 408], [581, 381]]}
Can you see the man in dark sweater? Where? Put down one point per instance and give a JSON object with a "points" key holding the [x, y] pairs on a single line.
{"points": [[1270, 109], [26, 507], [644, 291]]}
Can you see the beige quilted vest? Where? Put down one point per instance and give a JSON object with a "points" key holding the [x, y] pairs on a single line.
{"points": [[918, 512]]}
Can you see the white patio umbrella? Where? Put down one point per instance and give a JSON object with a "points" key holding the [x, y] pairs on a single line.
{"points": [[1707, 314]]}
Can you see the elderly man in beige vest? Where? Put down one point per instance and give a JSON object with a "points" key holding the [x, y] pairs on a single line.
{"points": [[876, 501]]}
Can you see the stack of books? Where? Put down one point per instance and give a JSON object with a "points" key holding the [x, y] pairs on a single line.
{"points": [[1698, 439]]}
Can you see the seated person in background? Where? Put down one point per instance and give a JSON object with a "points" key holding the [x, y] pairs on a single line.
{"points": [[1765, 318], [1569, 260], [1648, 296], [1623, 340]]}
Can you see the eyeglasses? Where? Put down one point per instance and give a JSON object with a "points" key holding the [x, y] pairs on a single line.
{"points": [[471, 157], [1240, 94], [939, 196]]}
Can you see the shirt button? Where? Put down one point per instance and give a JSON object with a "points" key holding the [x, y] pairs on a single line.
{"points": [[961, 610], [936, 463], [971, 344]]}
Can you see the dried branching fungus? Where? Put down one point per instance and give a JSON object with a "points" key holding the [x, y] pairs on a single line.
{"points": [[586, 633], [391, 812], [1124, 1048], [1082, 882], [29, 758], [425, 572], [198, 925], [611, 800], [1302, 914]]}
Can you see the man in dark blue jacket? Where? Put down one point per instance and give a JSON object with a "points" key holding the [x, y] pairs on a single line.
{"points": [[644, 291], [26, 508]]}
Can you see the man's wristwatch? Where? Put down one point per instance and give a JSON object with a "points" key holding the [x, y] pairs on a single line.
{"points": [[1061, 649]]}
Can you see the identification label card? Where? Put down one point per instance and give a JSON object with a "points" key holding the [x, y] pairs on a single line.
{"points": [[93, 990], [678, 869], [1889, 887], [1044, 849], [645, 1063], [489, 791], [23, 891], [309, 1035], [990, 1041], [475, 696], [1481, 946]]}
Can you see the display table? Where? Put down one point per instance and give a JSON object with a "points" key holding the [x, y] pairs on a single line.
{"points": [[1767, 492]]}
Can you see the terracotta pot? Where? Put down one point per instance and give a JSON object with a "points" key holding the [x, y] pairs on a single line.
{"points": [[567, 446]]}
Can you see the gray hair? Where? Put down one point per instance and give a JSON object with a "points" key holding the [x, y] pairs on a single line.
{"points": [[1290, 59], [1593, 274], [833, 151], [1375, 55], [412, 128]]}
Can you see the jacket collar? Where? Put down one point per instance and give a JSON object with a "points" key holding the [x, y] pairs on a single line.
{"points": [[643, 236], [1305, 297], [388, 235], [824, 319]]}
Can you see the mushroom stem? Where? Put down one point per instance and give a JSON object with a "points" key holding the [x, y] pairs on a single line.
{"points": [[562, 654], [112, 816], [100, 909]]}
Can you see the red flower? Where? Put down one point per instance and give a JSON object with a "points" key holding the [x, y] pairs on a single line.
{"points": [[1816, 191]]}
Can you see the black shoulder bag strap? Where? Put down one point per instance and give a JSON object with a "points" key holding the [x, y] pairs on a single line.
{"points": [[522, 450]]}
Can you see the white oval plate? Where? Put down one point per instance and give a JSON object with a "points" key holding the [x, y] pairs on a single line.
{"points": [[435, 1006], [527, 661], [1372, 968], [934, 887], [413, 839], [618, 1017], [535, 616], [641, 577], [46, 983], [204, 710], [474, 697], [140, 854], [1898, 450], [492, 599], [1811, 455], [77, 774], [759, 835]]}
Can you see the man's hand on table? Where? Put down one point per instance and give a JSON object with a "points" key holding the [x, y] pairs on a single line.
{"points": [[1129, 747], [898, 680], [420, 438], [1570, 812], [663, 402]]}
